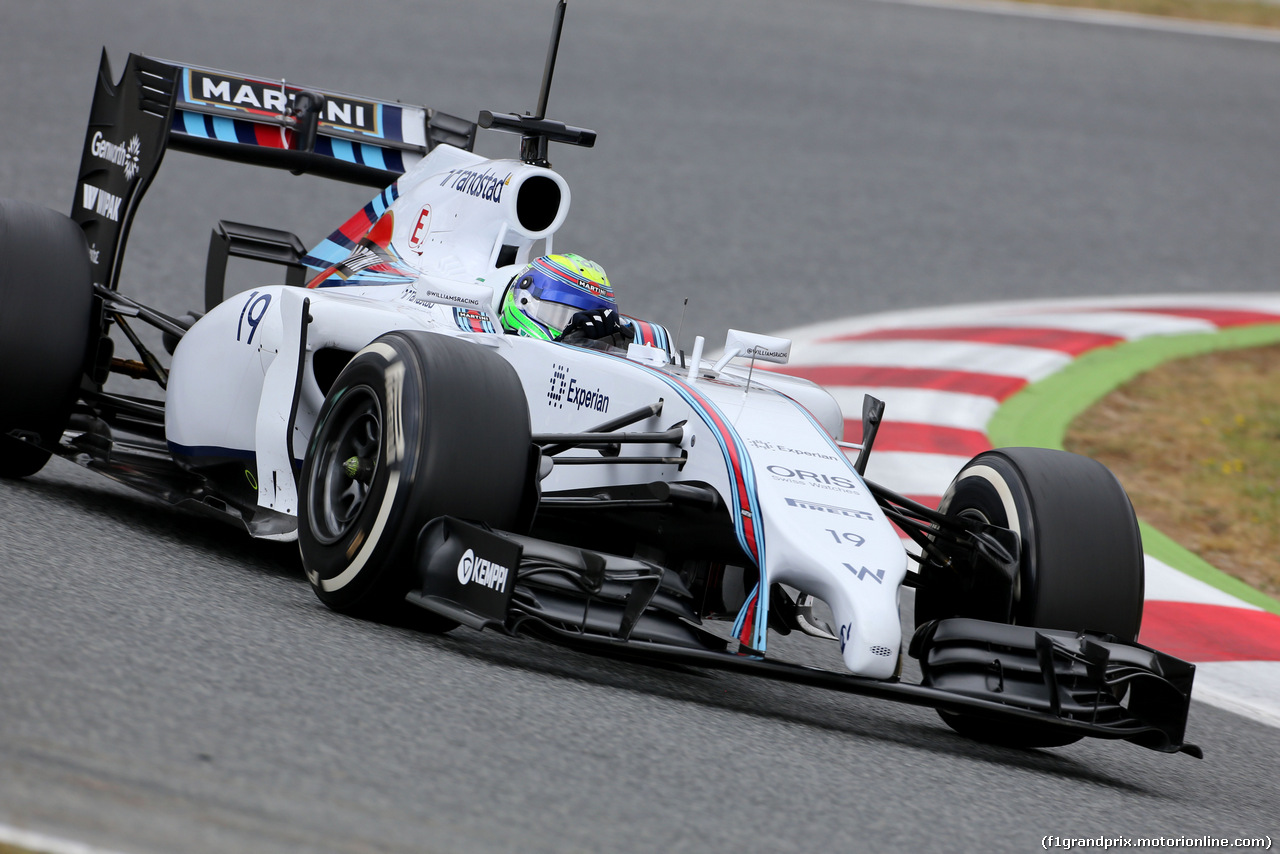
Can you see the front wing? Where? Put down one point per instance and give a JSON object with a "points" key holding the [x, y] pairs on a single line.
{"points": [[1078, 683]]}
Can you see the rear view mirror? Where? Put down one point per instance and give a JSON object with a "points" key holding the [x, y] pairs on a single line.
{"points": [[753, 345]]}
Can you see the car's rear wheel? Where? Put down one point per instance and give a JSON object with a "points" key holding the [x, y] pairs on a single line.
{"points": [[46, 304], [417, 425], [1080, 567]]}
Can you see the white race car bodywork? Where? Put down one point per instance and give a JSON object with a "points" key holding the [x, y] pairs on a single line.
{"points": [[801, 512]]}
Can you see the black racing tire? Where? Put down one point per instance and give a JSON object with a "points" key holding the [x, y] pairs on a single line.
{"points": [[46, 307], [440, 426], [1081, 563]]}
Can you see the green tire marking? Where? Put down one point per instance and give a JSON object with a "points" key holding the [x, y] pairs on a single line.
{"points": [[1040, 414]]}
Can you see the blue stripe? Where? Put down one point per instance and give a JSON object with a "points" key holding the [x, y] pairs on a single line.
{"points": [[390, 123], [760, 631], [661, 338], [366, 278], [245, 132], [316, 263], [342, 245], [192, 124], [343, 150], [212, 451], [394, 161], [763, 607], [326, 254], [371, 155], [664, 341], [742, 616], [748, 473], [224, 129]]}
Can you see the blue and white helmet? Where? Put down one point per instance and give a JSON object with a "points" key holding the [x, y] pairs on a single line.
{"points": [[546, 294]]}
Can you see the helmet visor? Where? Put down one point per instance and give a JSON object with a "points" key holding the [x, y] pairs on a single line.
{"points": [[553, 315]]}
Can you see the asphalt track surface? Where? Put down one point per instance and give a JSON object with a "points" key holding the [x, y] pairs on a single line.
{"points": [[168, 685]]}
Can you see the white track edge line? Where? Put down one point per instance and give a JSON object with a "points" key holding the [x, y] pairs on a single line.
{"points": [[47, 844]]}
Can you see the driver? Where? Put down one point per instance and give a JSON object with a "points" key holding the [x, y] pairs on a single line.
{"points": [[564, 298]]}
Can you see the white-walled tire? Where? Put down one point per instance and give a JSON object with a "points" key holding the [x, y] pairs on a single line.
{"points": [[1081, 564], [416, 426], [46, 305]]}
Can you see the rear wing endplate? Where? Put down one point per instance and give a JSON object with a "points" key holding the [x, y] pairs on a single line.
{"points": [[158, 105]]}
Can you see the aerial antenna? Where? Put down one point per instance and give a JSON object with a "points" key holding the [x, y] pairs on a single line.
{"points": [[557, 25], [680, 328], [536, 131]]}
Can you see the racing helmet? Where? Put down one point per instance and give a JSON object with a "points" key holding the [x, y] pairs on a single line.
{"points": [[543, 296]]}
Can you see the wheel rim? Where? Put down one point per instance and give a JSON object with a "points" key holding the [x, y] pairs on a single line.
{"points": [[347, 456]]}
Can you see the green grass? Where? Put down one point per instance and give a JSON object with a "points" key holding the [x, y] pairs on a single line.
{"points": [[1250, 13], [1043, 413]]}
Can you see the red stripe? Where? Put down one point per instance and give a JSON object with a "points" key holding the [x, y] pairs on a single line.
{"points": [[740, 485], [267, 136], [735, 463], [923, 438], [1197, 632], [646, 332], [1069, 341], [749, 621], [322, 276], [356, 227], [987, 385], [1221, 317]]}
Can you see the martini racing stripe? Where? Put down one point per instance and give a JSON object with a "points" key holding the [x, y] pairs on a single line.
{"points": [[272, 137], [746, 625], [244, 132], [335, 248], [365, 277], [650, 334], [750, 629], [470, 320], [387, 159], [547, 264]]}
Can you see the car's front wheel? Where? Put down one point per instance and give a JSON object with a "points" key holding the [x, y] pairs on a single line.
{"points": [[417, 425], [1080, 567]]}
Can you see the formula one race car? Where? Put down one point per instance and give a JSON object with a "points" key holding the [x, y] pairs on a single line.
{"points": [[606, 492]]}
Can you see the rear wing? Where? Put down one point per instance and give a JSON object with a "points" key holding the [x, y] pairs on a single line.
{"points": [[158, 105]]}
